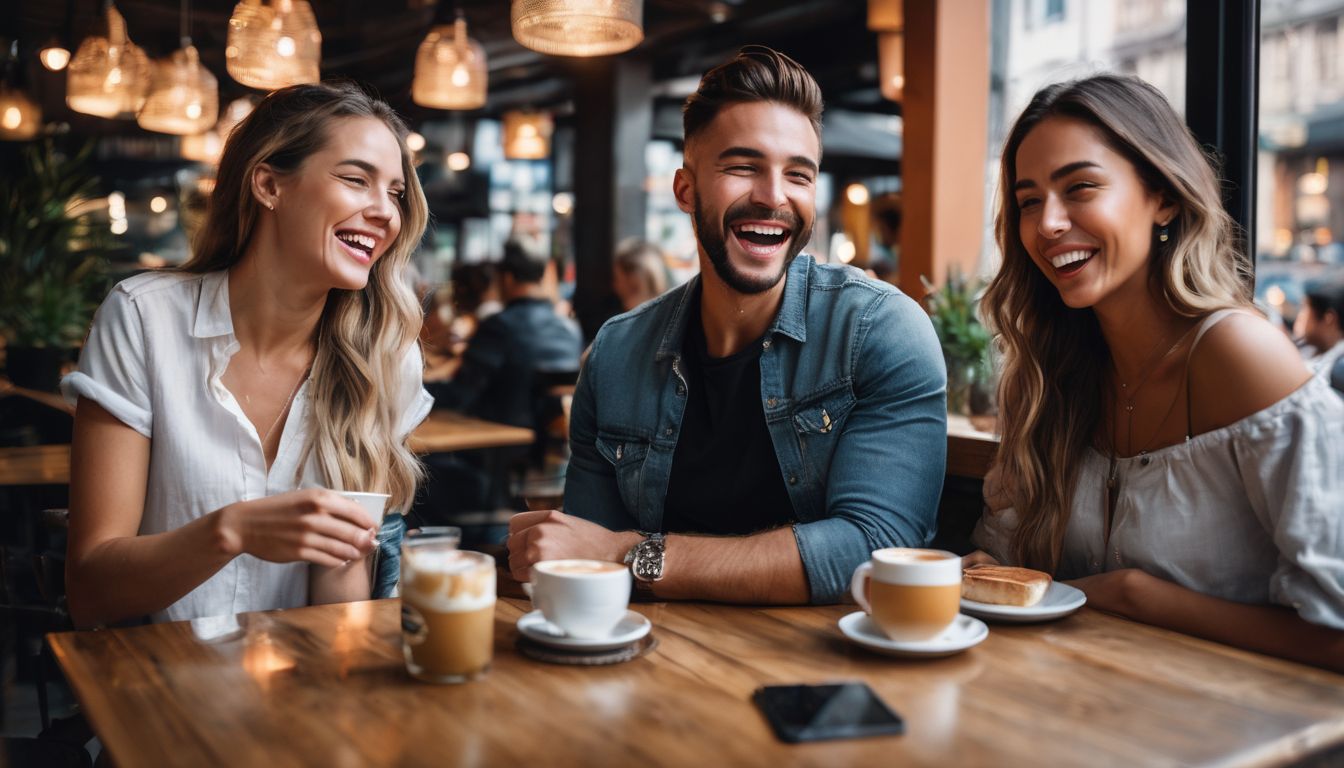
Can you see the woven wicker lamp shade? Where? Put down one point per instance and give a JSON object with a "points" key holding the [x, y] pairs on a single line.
{"points": [[202, 147], [450, 70], [527, 135], [578, 27], [185, 97], [207, 147], [109, 76], [272, 46]]}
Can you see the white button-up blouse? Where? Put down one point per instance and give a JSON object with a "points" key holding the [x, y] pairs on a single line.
{"points": [[154, 359]]}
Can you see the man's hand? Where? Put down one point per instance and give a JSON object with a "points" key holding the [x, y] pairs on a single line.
{"points": [[552, 535]]}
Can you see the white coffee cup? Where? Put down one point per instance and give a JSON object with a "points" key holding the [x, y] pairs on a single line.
{"points": [[585, 598], [373, 503]]}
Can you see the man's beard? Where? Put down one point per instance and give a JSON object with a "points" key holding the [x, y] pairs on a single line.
{"points": [[712, 239]]}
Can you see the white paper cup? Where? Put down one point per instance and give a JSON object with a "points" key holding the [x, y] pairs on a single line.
{"points": [[373, 503]]}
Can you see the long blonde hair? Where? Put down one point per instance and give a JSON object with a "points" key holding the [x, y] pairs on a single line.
{"points": [[362, 336], [1055, 360]]}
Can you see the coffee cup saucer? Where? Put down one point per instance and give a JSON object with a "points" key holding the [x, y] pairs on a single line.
{"points": [[630, 628], [964, 633]]}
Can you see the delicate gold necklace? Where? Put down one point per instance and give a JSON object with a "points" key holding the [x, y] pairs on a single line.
{"points": [[1113, 476], [285, 408]]}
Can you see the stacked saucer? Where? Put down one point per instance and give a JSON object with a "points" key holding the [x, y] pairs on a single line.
{"points": [[541, 640]]}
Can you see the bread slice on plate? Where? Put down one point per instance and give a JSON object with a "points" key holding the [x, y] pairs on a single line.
{"points": [[1004, 585]]}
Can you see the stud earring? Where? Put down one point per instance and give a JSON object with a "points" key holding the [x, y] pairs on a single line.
{"points": [[1162, 235], [271, 207]]}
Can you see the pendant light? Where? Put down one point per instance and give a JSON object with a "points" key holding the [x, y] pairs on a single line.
{"points": [[55, 53], [208, 146], [184, 99], [109, 76], [20, 117], [527, 135], [450, 71], [887, 19], [273, 46], [578, 27]]}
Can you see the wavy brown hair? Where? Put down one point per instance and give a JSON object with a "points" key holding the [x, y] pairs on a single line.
{"points": [[362, 336], [1055, 360]]}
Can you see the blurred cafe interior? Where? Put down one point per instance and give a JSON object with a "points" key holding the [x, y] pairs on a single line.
{"points": [[559, 146]]}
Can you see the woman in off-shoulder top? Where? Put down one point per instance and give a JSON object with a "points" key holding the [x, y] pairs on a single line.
{"points": [[1163, 446]]}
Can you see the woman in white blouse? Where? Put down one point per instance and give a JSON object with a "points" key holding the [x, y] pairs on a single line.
{"points": [[1163, 444], [218, 402]]}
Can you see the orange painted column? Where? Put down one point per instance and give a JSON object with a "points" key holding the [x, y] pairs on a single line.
{"points": [[946, 114]]}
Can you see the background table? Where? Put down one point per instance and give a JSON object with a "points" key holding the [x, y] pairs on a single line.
{"points": [[441, 431], [325, 686], [35, 465]]}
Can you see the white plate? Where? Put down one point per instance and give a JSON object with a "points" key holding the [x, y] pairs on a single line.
{"points": [[1060, 600], [632, 627], [964, 633]]}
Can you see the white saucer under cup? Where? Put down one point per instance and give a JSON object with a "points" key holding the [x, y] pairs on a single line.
{"points": [[584, 598]]}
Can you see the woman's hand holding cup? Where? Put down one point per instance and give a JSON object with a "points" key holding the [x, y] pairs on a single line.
{"points": [[313, 525]]}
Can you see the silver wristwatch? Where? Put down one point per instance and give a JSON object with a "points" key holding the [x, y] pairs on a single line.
{"points": [[646, 558]]}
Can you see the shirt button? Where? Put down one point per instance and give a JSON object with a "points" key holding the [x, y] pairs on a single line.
{"points": [[765, 344], [1144, 461], [668, 431], [770, 402], [681, 391], [793, 479]]}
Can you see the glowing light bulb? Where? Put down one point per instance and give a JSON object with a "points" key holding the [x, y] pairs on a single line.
{"points": [[285, 46], [159, 204], [415, 142], [13, 117], [54, 58], [194, 110], [857, 194], [460, 76], [459, 161]]}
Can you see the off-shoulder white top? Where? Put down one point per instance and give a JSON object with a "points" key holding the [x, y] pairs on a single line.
{"points": [[1252, 512], [154, 359]]}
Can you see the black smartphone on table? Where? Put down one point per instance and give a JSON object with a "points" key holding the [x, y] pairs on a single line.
{"points": [[818, 712]]}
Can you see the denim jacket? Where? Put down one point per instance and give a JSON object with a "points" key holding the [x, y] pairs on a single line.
{"points": [[854, 391]]}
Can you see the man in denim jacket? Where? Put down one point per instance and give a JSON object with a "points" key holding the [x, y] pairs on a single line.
{"points": [[783, 418]]}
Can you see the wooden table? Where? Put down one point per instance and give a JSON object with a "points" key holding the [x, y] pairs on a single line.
{"points": [[35, 465], [441, 431], [970, 452], [451, 431], [325, 686]]}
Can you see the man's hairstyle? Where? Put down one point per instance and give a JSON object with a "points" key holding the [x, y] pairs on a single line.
{"points": [[756, 73], [1326, 295], [525, 264]]}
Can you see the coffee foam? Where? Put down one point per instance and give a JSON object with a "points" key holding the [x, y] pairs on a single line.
{"points": [[578, 568], [447, 581], [916, 567]]}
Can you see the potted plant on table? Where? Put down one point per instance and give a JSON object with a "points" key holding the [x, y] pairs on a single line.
{"points": [[52, 270], [966, 346]]}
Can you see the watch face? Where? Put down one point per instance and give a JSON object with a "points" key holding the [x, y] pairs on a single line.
{"points": [[648, 564]]}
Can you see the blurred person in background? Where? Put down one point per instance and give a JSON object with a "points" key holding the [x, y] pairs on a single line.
{"points": [[497, 377], [1320, 325], [638, 273]]}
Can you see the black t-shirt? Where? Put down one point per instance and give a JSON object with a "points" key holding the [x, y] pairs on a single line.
{"points": [[725, 476]]}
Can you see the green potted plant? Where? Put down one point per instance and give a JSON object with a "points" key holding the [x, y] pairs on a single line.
{"points": [[52, 270], [965, 341]]}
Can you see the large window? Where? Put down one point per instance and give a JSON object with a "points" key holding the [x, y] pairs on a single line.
{"points": [[1300, 192]]}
